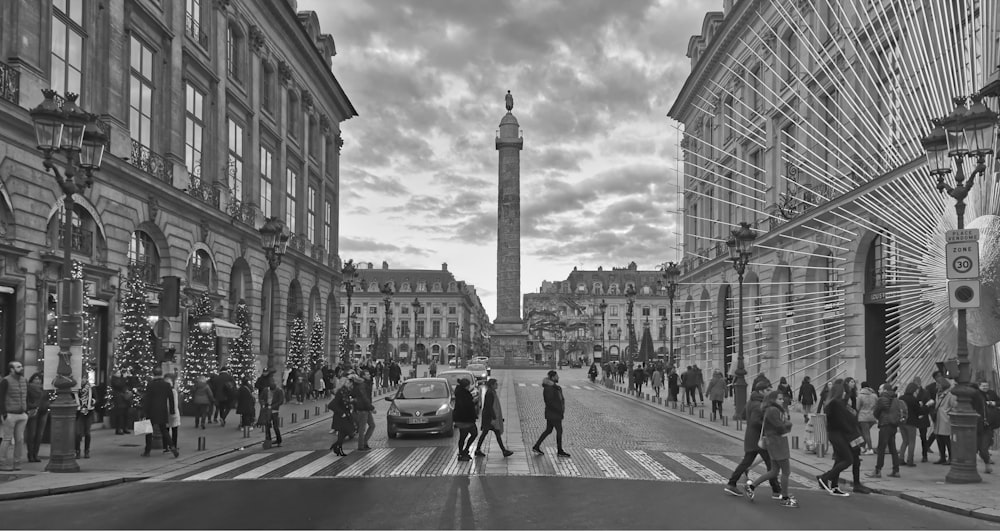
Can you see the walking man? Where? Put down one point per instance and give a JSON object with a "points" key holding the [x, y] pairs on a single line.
{"points": [[14, 414], [755, 422], [555, 407], [159, 405], [364, 410], [275, 398]]}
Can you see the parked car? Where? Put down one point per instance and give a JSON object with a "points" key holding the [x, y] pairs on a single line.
{"points": [[576, 364], [454, 375], [481, 359], [421, 406], [481, 371]]}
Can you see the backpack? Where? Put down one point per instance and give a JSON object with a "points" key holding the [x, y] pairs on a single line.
{"points": [[897, 412]]}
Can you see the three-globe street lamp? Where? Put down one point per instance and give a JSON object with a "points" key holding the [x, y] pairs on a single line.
{"points": [[416, 309], [670, 275], [603, 306], [965, 133], [68, 129], [387, 300], [274, 241], [348, 272], [740, 249]]}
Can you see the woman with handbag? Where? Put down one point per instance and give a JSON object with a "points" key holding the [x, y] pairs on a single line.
{"points": [[844, 434], [774, 438], [492, 419], [945, 403], [341, 405]]}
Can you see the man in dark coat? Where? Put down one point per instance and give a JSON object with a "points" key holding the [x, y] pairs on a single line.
{"points": [[755, 421], [158, 405], [555, 408], [224, 390]]}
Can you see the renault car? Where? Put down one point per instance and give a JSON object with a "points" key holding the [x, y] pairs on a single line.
{"points": [[421, 406]]}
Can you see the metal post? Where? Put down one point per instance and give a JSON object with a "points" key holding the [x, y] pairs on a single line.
{"points": [[740, 381]]}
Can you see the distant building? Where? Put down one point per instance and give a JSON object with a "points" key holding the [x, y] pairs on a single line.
{"points": [[450, 321]]}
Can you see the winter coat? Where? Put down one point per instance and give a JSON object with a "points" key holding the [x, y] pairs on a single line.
{"points": [[755, 417], [341, 407], [492, 412], [889, 410], [840, 419], [174, 419], [555, 404], [945, 403], [362, 395], [465, 406], [807, 394], [699, 378], [38, 398], [672, 382], [224, 388], [119, 399], [202, 394], [657, 379], [776, 426], [159, 401], [866, 405], [717, 388], [318, 384], [786, 389], [916, 413], [245, 401]]}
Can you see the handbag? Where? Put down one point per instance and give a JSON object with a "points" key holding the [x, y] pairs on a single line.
{"points": [[761, 441], [142, 427], [858, 441]]}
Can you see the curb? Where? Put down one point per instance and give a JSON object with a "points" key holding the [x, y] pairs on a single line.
{"points": [[942, 504], [98, 484]]}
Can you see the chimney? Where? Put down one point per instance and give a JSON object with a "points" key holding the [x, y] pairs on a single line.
{"points": [[385, 264], [444, 266], [371, 265]]}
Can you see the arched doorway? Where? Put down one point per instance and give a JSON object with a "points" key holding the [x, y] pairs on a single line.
{"points": [[878, 323]]}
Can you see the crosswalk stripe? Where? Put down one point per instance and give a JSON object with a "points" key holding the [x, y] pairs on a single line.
{"points": [[454, 467], [321, 462], [731, 465], [562, 465], [575, 386], [222, 469], [412, 465], [535, 385], [272, 466], [607, 464], [359, 467], [521, 384], [706, 473], [654, 467]]}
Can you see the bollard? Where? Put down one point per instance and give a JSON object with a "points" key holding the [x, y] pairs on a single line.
{"points": [[281, 421], [317, 411], [690, 410], [725, 420], [795, 442], [201, 443], [739, 425], [305, 414], [246, 432], [701, 413], [294, 418]]}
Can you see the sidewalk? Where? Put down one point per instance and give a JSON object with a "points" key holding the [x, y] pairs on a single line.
{"points": [[116, 458], [923, 484]]}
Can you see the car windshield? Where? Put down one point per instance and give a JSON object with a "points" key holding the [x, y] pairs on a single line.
{"points": [[476, 367], [421, 390], [453, 377]]}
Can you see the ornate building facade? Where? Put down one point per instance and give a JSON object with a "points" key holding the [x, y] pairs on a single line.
{"points": [[448, 320], [804, 119], [220, 114]]}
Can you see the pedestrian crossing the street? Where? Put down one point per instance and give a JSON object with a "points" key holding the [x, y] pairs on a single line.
{"points": [[439, 461]]}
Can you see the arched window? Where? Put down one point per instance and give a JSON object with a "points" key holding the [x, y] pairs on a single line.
{"points": [[436, 349], [405, 287], [372, 328], [143, 258], [598, 288], [437, 287], [200, 268]]}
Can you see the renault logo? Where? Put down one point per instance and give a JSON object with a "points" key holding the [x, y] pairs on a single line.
{"points": [[417, 414]]}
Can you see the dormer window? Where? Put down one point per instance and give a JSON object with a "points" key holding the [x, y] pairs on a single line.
{"points": [[405, 287], [437, 287], [421, 287]]}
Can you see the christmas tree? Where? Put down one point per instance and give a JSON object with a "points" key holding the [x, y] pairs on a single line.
{"points": [[297, 345], [345, 345], [241, 359], [317, 345], [134, 351], [199, 356]]}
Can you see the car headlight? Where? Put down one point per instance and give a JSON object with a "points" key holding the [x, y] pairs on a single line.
{"points": [[393, 411], [443, 410]]}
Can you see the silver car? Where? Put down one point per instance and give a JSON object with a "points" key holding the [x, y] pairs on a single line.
{"points": [[421, 406], [454, 375]]}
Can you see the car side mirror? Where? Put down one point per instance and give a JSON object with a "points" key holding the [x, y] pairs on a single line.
{"points": [[389, 399]]}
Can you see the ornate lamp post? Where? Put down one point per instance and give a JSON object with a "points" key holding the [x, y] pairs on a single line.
{"points": [[348, 273], [74, 132], [966, 132], [416, 309], [630, 298], [670, 275], [740, 249], [274, 241], [387, 301], [604, 307]]}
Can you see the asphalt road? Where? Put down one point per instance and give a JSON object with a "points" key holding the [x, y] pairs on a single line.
{"points": [[634, 468]]}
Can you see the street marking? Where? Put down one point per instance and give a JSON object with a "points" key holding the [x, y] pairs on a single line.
{"points": [[454, 467], [535, 385], [706, 473], [320, 463], [575, 387], [522, 384], [411, 466], [731, 465], [222, 469], [607, 464], [359, 467], [655, 468], [562, 465], [272, 466]]}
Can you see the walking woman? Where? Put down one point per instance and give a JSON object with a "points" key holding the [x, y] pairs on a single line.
{"points": [[202, 398], [673, 388], [38, 415], [465, 418], [245, 404], [342, 415], [775, 435], [492, 419], [84, 418], [945, 403], [173, 419], [807, 397], [716, 393], [844, 434]]}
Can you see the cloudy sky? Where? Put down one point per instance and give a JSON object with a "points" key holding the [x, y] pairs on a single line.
{"points": [[592, 82]]}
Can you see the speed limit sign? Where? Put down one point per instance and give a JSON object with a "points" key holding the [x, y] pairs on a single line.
{"points": [[962, 260]]}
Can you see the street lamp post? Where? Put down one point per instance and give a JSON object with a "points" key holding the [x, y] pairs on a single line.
{"points": [[416, 308], [387, 300], [348, 273], [966, 132], [604, 307], [274, 242], [740, 249], [630, 298], [74, 132], [670, 274]]}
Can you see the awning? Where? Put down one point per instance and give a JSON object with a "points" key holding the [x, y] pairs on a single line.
{"points": [[224, 328]]}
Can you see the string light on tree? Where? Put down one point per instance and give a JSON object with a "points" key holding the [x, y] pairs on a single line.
{"points": [[317, 345], [134, 350], [241, 359], [199, 356], [297, 345]]}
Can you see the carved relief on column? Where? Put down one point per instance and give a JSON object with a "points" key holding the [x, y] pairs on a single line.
{"points": [[284, 72], [153, 205], [339, 140], [307, 99], [255, 37]]}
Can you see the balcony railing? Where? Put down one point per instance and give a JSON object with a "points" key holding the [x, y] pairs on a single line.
{"points": [[10, 83], [81, 242], [152, 163], [204, 191], [242, 212]]}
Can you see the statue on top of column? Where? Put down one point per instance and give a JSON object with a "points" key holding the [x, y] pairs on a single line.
{"points": [[510, 101]]}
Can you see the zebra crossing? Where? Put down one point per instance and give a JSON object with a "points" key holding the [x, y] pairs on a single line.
{"points": [[438, 461], [577, 387]]}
